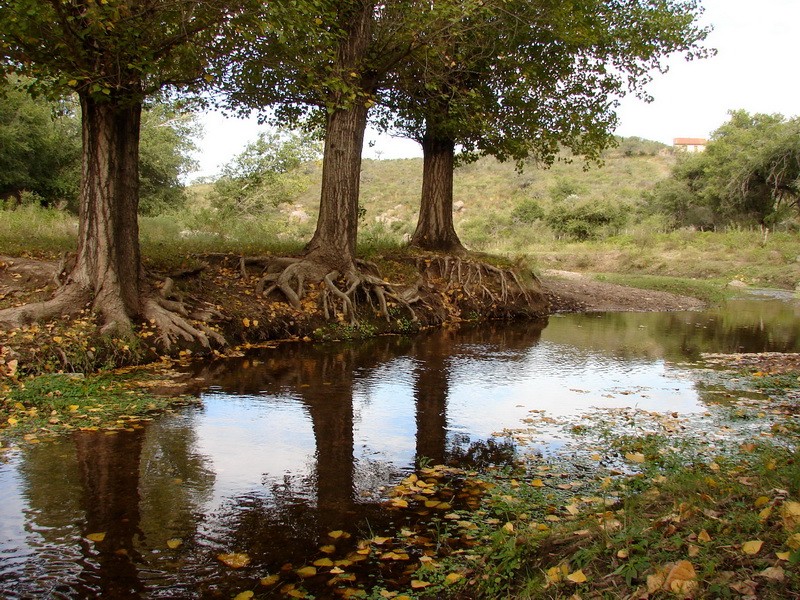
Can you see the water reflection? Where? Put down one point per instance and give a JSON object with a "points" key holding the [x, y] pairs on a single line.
{"points": [[295, 441]]}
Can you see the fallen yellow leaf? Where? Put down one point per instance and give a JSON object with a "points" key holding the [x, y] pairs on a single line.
{"points": [[453, 578], [417, 584], [761, 501], [636, 457], [577, 576], [790, 512], [244, 595], [323, 562], [338, 534], [703, 537], [270, 580], [234, 560], [306, 572], [752, 547], [174, 543], [246, 322], [783, 555], [96, 537], [537, 483]]}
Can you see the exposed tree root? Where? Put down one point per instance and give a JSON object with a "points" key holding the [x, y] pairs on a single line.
{"points": [[69, 300], [341, 293], [478, 280], [166, 310]]}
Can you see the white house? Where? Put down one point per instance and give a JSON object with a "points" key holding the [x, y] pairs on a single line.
{"points": [[689, 144]]}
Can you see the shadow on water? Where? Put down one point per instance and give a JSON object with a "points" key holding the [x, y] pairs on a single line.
{"points": [[296, 441]]}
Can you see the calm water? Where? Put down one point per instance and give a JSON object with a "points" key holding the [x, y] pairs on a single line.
{"points": [[295, 441]]}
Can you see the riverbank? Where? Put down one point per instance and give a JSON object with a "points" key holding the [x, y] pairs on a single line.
{"points": [[223, 290]]}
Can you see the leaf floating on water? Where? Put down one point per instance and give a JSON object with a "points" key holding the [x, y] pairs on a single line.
{"points": [[306, 572], [174, 543], [270, 580], [244, 595], [327, 549], [96, 537], [752, 547], [234, 560], [323, 562]]}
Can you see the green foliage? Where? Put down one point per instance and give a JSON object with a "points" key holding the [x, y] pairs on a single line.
{"points": [[528, 211], [585, 219], [516, 92], [39, 147], [40, 152], [749, 174], [636, 146], [165, 156], [266, 173]]}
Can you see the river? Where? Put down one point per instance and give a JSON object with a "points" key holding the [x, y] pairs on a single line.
{"points": [[292, 442]]}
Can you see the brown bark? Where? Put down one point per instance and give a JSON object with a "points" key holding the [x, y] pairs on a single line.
{"points": [[435, 230], [334, 241], [109, 261]]}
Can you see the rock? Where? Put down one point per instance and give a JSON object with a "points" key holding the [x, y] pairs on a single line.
{"points": [[299, 215], [737, 284], [458, 206]]}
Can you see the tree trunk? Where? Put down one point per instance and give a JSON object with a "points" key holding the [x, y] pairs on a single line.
{"points": [[435, 230], [109, 261], [334, 241]]}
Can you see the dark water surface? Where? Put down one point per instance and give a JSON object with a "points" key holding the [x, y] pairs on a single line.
{"points": [[296, 441]]}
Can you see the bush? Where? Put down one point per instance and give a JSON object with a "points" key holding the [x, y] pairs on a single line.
{"points": [[585, 220], [527, 211]]}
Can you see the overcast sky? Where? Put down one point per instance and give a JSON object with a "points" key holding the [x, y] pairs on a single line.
{"points": [[754, 70]]}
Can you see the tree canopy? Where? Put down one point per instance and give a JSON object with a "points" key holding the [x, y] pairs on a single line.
{"points": [[748, 174]]}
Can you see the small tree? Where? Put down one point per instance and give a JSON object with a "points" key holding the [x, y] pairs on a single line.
{"points": [[39, 147], [522, 79], [113, 54], [264, 174]]}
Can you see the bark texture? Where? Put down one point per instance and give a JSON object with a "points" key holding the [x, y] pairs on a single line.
{"points": [[435, 230], [334, 240], [109, 260]]}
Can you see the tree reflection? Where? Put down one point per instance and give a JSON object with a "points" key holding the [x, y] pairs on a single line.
{"points": [[109, 473]]}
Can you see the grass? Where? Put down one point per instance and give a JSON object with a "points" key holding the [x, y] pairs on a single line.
{"points": [[487, 194], [37, 408]]}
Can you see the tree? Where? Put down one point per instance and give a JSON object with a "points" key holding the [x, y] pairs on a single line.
{"points": [[749, 173], [264, 174], [328, 76], [165, 156], [113, 54], [521, 80], [39, 147]]}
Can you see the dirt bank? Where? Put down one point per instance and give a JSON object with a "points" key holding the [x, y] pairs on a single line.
{"points": [[449, 289], [575, 292]]}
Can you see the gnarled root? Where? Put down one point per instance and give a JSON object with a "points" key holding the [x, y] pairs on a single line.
{"points": [[339, 293], [68, 301], [173, 326], [478, 280], [360, 284]]}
